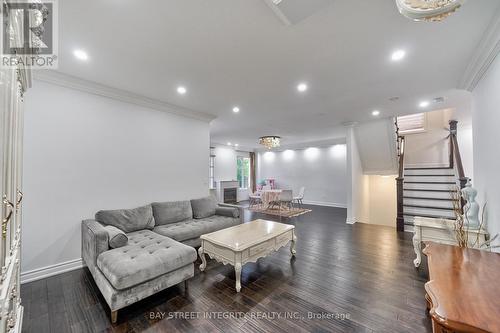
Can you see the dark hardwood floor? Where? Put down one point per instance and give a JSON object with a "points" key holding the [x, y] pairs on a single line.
{"points": [[360, 274]]}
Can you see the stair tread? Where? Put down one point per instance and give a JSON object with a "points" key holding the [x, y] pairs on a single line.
{"points": [[427, 190], [427, 198], [428, 207], [425, 175], [430, 216], [434, 168], [446, 183]]}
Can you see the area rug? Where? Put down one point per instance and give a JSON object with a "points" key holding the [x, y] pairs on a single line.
{"points": [[288, 212]]}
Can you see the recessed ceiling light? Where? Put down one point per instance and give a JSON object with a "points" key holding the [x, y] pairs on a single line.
{"points": [[398, 55], [236, 109], [229, 143], [302, 87], [236, 145], [181, 90], [375, 113], [81, 55], [424, 104]]}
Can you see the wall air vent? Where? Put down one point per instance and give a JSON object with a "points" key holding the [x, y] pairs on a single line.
{"points": [[293, 11]]}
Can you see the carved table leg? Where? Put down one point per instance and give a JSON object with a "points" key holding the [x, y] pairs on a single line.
{"points": [[201, 253], [417, 244], [114, 316], [292, 245], [237, 271]]}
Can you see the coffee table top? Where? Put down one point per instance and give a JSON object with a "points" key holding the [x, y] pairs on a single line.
{"points": [[243, 236]]}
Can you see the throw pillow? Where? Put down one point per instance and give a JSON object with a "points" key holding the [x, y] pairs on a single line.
{"points": [[117, 238], [203, 207], [128, 220]]}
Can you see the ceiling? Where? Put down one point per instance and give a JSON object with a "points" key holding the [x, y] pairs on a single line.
{"points": [[237, 52]]}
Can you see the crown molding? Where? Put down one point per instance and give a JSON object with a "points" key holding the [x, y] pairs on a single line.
{"points": [[484, 55], [73, 82]]}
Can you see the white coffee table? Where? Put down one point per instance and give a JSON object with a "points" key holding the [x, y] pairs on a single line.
{"points": [[246, 243]]}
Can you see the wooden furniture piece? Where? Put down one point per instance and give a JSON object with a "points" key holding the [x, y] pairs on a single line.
{"points": [[463, 294], [246, 243], [441, 231]]}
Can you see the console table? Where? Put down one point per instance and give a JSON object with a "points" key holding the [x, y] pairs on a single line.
{"points": [[462, 292], [440, 231]]}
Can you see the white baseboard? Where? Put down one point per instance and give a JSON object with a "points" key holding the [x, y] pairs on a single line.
{"points": [[350, 221], [44, 272], [323, 203]]}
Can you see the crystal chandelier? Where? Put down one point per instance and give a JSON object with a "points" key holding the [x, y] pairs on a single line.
{"points": [[270, 141], [428, 10]]}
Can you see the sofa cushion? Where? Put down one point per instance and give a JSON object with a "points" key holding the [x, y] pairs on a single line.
{"points": [[147, 256], [204, 207], [171, 212], [228, 211], [194, 228], [116, 237], [128, 220]]}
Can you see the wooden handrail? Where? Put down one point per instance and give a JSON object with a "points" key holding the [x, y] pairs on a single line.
{"points": [[455, 157]]}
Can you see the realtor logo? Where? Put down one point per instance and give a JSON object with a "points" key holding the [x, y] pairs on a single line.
{"points": [[29, 34]]}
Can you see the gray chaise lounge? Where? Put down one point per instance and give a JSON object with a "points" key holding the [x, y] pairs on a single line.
{"points": [[159, 252]]}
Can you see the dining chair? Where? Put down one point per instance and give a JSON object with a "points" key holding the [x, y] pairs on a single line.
{"points": [[254, 198], [286, 198], [298, 199]]}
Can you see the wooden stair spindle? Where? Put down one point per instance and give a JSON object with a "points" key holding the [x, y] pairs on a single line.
{"points": [[399, 183]]}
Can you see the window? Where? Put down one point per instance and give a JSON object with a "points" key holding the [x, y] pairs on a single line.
{"points": [[211, 174], [414, 123], [243, 172]]}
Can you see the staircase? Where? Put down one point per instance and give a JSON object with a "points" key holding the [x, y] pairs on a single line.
{"points": [[427, 192]]}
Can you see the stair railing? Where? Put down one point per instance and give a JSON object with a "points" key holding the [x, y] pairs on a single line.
{"points": [[455, 157], [400, 179]]}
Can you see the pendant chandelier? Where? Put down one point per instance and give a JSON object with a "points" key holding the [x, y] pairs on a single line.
{"points": [[270, 141], [428, 10]]}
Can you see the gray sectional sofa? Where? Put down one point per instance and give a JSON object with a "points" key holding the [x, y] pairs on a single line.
{"points": [[134, 253]]}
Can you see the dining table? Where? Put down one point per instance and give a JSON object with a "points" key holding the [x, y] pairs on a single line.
{"points": [[267, 197]]}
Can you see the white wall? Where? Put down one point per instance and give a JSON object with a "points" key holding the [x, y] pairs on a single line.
{"points": [[465, 144], [225, 163], [377, 146], [225, 167], [486, 121], [322, 171], [84, 153], [357, 182], [430, 148], [382, 200]]}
